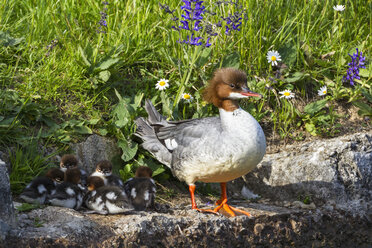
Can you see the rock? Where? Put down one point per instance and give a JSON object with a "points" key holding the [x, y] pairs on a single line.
{"points": [[271, 227], [326, 170], [7, 219], [95, 149]]}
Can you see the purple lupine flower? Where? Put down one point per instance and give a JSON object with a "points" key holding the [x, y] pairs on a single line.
{"points": [[233, 22], [102, 22], [208, 44], [357, 62]]}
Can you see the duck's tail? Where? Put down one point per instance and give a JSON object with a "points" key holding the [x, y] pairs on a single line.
{"points": [[146, 130]]}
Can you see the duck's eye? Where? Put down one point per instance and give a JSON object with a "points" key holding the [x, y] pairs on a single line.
{"points": [[232, 85]]}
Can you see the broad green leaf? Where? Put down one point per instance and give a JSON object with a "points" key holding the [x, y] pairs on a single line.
{"points": [[315, 107], [204, 57], [310, 127], [288, 53], [365, 109], [82, 130], [367, 95], [103, 131], [121, 113], [7, 40], [104, 65], [231, 60], [104, 75], [93, 121], [129, 149], [297, 76], [84, 57], [365, 73]]}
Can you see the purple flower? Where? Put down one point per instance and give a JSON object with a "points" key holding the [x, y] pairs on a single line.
{"points": [[208, 44], [194, 41], [357, 62], [102, 22]]}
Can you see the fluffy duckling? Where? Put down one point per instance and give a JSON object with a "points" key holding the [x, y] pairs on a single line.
{"points": [[70, 193], [70, 161], [104, 171], [39, 189], [105, 199], [141, 189]]}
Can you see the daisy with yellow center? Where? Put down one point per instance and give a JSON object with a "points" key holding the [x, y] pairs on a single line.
{"points": [[273, 57], [287, 94], [162, 84], [187, 97], [322, 91], [339, 7]]}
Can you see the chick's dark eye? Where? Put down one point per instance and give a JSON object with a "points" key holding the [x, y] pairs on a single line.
{"points": [[232, 85]]}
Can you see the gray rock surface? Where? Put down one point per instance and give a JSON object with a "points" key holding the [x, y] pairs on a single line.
{"points": [[95, 149], [334, 171], [6, 206], [271, 227]]}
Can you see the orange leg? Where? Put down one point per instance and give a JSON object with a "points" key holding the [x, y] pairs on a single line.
{"points": [[222, 203], [193, 203]]}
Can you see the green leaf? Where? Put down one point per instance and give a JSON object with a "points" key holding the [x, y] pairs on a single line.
{"points": [[104, 65], [310, 127], [82, 130], [315, 107], [93, 121], [367, 95], [204, 57], [104, 75], [364, 109], [231, 60], [288, 53], [7, 40], [121, 113], [103, 131], [84, 57], [297, 76], [365, 73], [129, 149]]}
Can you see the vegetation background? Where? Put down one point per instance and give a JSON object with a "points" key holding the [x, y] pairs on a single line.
{"points": [[72, 68]]}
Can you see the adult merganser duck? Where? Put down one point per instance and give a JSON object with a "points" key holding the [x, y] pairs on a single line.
{"points": [[104, 171], [141, 189], [105, 199], [69, 161], [40, 188], [213, 149], [70, 193]]}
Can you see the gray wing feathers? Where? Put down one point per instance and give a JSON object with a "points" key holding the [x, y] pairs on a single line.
{"points": [[146, 131], [155, 131]]}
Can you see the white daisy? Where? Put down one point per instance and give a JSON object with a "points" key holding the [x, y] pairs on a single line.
{"points": [[162, 84], [322, 91], [339, 7], [273, 57], [287, 94], [187, 97]]}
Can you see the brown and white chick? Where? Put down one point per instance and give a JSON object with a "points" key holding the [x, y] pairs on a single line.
{"points": [[70, 193], [69, 161], [104, 171], [141, 189], [39, 189], [105, 199]]}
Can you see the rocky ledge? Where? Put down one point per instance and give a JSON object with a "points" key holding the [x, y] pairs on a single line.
{"points": [[271, 226], [334, 176]]}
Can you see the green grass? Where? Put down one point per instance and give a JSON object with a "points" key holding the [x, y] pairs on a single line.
{"points": [[92, 82]]}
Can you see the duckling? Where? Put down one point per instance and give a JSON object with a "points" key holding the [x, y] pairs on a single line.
{"points": [[105, 199], [70, 161], [39, 189], [70, 193], [104, 171], [141, 189]]}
